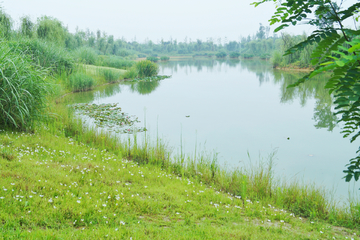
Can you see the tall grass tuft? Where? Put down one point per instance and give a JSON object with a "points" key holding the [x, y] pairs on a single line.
{"points": [[47, 54], [86, 55], [23, 89], [80, 82], [110, 75], [147, 68]]}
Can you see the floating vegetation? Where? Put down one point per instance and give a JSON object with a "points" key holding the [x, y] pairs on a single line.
{"points": [[150, 79], [110, 116]]}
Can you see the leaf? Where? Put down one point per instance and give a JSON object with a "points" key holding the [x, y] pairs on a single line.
{"points": [[340, 63]]}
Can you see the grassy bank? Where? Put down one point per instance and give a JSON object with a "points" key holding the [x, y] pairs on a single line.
{"points": [[68, 182]]}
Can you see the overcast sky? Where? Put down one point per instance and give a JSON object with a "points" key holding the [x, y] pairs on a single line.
{"points": [[153, 19]]}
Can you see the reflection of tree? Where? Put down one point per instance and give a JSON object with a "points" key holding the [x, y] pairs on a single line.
{"points": [[144, 88], [314, 88], [89, 96]]}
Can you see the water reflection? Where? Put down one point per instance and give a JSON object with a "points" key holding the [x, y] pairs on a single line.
{"points": [[312, 89], [143, 88]]}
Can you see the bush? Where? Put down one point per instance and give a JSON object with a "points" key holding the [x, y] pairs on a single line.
{"points": [[152, 59], [47, 55], [265, 56], [86, 55], [146, 68], [131, 73], [276, 59], [110, 75], [80, 82], [165, 58], [221, 55], [23, 89], [234, 55], [247, 55]]}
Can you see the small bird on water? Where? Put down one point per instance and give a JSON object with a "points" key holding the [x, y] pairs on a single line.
{"points": [[187, 116]]}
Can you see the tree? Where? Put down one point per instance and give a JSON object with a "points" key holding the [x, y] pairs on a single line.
{"points": [[337, 48], [261, 33]]}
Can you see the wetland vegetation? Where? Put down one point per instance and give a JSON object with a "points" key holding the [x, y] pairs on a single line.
{"points": [[61, 178]]}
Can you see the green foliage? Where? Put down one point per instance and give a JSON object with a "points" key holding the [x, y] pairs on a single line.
{"points": [[247, 55], [86, 55], [131, 73], [234, 55], [80, 82], [152, 59], [23, 89], [110, 75], [26, 27], [334, 52], [164, 58], [51, 29], [114, 62], [5, 24], [276, 59], [221, 55], [48, 55], [146, 68]]}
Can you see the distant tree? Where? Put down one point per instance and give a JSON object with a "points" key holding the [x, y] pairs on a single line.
{"points": [[261, 33], [51, 29], [26, 27], [5, 24]]}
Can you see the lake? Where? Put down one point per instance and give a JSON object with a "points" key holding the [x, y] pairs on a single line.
{"points": [[240, 109]]}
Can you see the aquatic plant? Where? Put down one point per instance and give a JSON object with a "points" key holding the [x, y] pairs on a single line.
{"points": [[150, 79], [147, 68], [110, 116], [80, 82]]}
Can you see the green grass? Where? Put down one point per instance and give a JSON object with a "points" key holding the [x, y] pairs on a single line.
{"points": [[66, 181], [79, 81]]}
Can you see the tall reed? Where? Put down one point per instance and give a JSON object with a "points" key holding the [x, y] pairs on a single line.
{"points": [[23, 88]]}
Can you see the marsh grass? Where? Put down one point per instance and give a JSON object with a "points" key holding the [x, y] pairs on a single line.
{"points": [[80, 82], [23, 88]]}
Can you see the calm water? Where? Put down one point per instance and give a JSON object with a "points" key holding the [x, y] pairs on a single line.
{"points": [[238, 108]]}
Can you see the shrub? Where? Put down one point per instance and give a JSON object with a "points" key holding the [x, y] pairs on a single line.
{"points": [[152, 59], [276, 59], [247, 55], [234, 55], [47, 55], [221, 55], [23, 88], [131, 73], [110, 75], [165, 58], [80, 82], [86, 55], [146, 68]]}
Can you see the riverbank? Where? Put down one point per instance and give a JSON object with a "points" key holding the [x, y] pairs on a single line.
{"points": [[67, 181]]}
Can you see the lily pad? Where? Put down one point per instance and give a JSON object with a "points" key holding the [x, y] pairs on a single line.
{"points": [[109, 116]]}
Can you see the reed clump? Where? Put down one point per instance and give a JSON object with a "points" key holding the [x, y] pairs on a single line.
{"points": [[23, 88]]}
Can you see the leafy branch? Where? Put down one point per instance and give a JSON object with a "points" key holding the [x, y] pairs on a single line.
{"points": [[337, 50]]}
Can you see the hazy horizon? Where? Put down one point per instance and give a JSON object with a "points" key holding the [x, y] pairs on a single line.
{"points": [[140, 20]]}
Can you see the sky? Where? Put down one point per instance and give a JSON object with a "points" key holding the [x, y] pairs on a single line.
{"points": [[154, 20]]}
